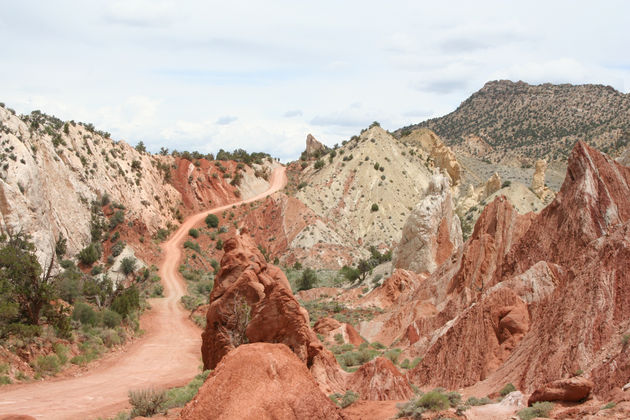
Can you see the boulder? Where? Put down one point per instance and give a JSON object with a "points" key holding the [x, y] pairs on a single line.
{"points": [[432, 231], [252, 302], [567, 390], [260, 381]]}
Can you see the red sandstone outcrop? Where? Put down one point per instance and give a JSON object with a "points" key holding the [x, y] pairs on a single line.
{"points": [[568, 390], [432, 231], [379, 380], [330, 327], [261, 381], [252, 302]]}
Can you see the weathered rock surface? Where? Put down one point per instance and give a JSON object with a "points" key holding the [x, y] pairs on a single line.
{"points": [[567, 390], [432, 231], [379, 380], [538, 180], [330, 327], [440, 153], [252, 302], [493, 184], [261, 381], [313, 146]]}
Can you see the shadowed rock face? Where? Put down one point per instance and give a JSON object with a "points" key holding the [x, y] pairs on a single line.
{"points": [[313, 145], [261, 381], [252, 302]]}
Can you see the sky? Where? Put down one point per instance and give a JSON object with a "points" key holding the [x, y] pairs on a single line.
{"points": [[205, 75]]}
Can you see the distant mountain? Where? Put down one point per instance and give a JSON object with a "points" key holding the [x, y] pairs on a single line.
{"points": [[515, 120]]}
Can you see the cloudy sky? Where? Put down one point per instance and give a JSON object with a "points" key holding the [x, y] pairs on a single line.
{"points": [[204, 75]]}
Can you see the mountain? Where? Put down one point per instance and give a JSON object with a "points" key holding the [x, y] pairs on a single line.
{"points": [[515, 121]]}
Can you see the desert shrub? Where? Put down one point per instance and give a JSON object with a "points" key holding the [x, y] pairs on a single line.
{"points": [[193, 245], [219, 245], [374, 207], [377, 345], [5, 380], [90, 254], [158, 291], [474, 401], [126, 302], [118, 248], [507, 389], [194, 233], [308, 280], [146, 402], [62, 353], [111, 319], [319, 164], [84, 313], [625, 339], [344, 400], [506, 184], [116, 219], [110, 337], [180, 396], [539, 409], [434, 401], [393, 355], [339, 338], [405, 364], [128, 265], [215, 265], [212, 221], [608, 406], [47, 364]]}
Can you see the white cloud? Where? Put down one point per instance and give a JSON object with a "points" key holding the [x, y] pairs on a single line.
{"points": [[176, 74]]}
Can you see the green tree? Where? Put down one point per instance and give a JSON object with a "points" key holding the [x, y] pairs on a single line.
{"points": [[22, 279], [140, 147], [212, 220], [90, 254], [128, 265], [308, 280], [319, 164]]}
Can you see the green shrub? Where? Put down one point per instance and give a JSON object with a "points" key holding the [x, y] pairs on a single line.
{"points": [[116, 219], [180, 396], [393, 355], [47, 364], [507, 389], [454, 398], [192, 245], [474, 401], [126, 302], [90, 254], [194, 233], [128, 265], [339, 338], [146, 402], [377, 345], [84, 313], [80, 360], [374, 207], [344, 400], [608, 406], [308, 280], [5, 380], [219, 245], [625, 339], [212, 221], [539, 409], [319, 164], [111, 319], [62, 353], [110, 338], [117, 248], [434, 401]]}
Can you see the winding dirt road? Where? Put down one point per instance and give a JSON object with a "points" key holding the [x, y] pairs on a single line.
{"points": [[167, 355]]}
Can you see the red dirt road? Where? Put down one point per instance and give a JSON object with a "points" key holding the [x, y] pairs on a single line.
{"points": [[167, 355]]}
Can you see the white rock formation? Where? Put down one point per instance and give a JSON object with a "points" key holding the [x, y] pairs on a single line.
{"points": [[432, 231]]}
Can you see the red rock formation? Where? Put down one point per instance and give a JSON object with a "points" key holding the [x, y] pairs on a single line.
{"points": [[568, 390], [246, 286], [329, 327], [379, 380], [476, 344], [499, 226], [260, 381]]}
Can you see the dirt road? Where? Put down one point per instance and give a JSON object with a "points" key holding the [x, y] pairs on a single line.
{"points": [[167, 355]]}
